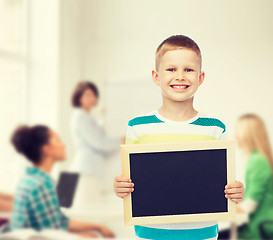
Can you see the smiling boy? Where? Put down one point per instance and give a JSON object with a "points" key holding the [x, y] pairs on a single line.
{"points": [[178, 73]]}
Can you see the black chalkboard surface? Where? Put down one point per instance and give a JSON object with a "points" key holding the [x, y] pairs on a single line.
{"points": [[185, 182]]}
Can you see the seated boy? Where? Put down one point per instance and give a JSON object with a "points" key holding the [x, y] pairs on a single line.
{"points": [[178, 74]]}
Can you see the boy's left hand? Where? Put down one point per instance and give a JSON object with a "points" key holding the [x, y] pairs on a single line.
{"points": [[235, 191]]}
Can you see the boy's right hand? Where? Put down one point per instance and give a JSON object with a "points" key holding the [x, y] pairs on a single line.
{"points": [[123, 186]]}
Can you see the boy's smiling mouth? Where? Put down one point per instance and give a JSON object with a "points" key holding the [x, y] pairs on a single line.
{"points": [[179, 87]]}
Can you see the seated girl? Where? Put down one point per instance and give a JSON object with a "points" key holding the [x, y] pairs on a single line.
{"points": [[36, 203]]}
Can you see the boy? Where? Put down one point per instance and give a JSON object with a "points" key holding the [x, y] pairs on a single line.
{"points": [[178, 74]]}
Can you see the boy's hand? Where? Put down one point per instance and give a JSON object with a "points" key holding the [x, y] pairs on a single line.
{"points": [[123, 186], [235, 191]]}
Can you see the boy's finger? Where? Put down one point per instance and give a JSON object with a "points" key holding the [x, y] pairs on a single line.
{"points": [[234, 185], [122, 179], [125, 185], [125, 190], [233, 190], [234, 196]]}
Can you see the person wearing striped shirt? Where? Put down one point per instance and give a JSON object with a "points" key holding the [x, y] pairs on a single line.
{"points": [[178, 74]]}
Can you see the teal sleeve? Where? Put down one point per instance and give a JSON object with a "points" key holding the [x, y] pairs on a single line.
{"points": [[259, 174]]}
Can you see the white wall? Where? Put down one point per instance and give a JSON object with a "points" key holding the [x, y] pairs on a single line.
{"points": [[71, 62], [43, 62]]}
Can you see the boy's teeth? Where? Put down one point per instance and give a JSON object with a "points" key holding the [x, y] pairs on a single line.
{"points": [[179, 87]]}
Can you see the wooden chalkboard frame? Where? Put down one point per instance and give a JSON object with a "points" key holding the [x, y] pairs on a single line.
{"points": [[128, 149]]}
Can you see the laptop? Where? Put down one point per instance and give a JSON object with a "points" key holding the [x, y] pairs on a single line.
{"points": [[66, 188]]}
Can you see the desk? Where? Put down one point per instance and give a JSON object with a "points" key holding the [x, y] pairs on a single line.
{"points": [[109, 213], [47, 234]]}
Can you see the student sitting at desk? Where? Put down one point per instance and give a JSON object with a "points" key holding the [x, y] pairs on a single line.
{"points": [[36, 203], [252, 138]]}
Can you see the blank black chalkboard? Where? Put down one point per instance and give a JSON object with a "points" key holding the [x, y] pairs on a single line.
{"points": [[178, 182], [185, 182], [66, 188]]}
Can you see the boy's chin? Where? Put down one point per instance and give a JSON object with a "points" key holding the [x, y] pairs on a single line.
{"points": [[178, 99]]}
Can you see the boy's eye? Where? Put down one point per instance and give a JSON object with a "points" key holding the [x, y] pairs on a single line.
{"points": [[171, 69], [189, 70]]}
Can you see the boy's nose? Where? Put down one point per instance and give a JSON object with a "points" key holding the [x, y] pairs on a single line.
{"points": [[180, 76]]}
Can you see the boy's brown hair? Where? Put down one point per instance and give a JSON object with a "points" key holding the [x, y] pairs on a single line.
{"points": [[174, 43]]}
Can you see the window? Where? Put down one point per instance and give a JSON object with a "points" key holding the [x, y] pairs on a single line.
{"points": [[12, 85]]}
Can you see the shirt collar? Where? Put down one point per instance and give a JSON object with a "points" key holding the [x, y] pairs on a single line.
{"points": [[38, 172]]}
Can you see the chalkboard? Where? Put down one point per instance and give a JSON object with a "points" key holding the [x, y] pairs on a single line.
{"points": [[178, 182], [66, 188]]}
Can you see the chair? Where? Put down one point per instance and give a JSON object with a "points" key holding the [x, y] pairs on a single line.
{"points": [[66, 188]]}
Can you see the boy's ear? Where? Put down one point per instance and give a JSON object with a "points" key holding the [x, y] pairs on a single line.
{"points": [[201, 78], [155, 77]]}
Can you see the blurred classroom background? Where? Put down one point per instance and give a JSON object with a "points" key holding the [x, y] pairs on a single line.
{"points": [[47, 47]]}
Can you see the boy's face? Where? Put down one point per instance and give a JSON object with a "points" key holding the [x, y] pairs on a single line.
{"points": [[179, 74]]}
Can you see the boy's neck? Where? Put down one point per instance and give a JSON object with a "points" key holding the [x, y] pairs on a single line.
{"points": [[177, 111]]}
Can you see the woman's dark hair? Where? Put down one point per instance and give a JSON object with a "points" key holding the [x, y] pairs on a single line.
{"points": [[29, 141], [79, 90]]}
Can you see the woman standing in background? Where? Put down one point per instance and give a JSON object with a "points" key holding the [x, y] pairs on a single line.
{"points": [[91, 142], [252, 138]]}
